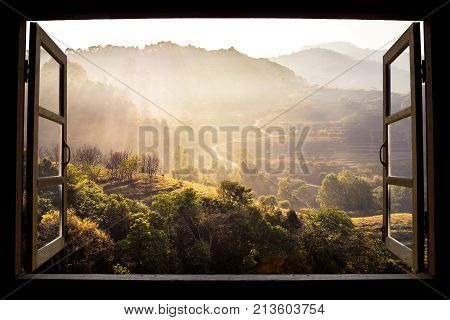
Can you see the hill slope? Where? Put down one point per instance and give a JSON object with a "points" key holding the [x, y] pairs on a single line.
{"points": [[143, 189]]}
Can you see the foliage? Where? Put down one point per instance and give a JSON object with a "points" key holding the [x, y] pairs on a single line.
{"points": [[113, 162], [347, 192], [186, 231], [297, 192], [268, 203], [119, 269], [234, 193], [47, 168], [292, 221], [128, 167], [89, 249], [198, 257], [328, 236], [88, 200], [400, 199], [122, 165], [334, 245], [145, 249], [44, 205]]}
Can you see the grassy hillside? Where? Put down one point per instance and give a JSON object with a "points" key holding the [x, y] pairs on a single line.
{"points": [[401, 226], [143, 189]]}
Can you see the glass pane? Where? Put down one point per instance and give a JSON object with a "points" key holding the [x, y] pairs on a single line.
{"points": [[399, 148], [49, 146], [400, 214], [400, 82], [49, 214], [49, 82]]}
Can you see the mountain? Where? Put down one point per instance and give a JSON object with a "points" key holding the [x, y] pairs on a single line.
{"points": [[319, 66], [197, 85], [358, 53], [217, 88]]}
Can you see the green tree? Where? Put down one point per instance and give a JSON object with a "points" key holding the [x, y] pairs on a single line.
{"points": [[145, 249], [347, 192], [328, 237], [234, 192], [129, 166], [296, 192], [268, 203]]}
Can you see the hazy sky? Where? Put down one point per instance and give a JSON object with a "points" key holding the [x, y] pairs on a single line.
{"points": [[254, 37]]}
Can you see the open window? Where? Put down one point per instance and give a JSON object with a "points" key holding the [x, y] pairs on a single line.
{"points": [[47, 155], [120, 173], [403, 154]]}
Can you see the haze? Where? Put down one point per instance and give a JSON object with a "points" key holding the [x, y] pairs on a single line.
{"points": [[255, 37]]}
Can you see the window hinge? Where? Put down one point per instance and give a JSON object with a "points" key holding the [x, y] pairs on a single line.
{"points": [[423, 71], [27, 70]]}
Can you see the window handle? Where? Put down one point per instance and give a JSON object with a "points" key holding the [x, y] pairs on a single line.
{"points": [[383, 233], [380, 153], [68, 155]]}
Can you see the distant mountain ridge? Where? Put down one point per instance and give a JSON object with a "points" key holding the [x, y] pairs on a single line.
{"points": [[320, 65], [185, 79], [358, 53]]}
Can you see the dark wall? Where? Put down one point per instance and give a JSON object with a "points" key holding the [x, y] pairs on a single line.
{"points": [[13, 44], [349, 9], [438, 101]]}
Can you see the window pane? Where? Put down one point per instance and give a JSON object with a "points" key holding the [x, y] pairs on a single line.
{"points": [[400, 214], [49, 82], [49, 146], [400, 82], [49, 214], [399, 148]]}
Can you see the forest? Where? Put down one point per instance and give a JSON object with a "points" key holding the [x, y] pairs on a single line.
{"points": [[124, 217]]}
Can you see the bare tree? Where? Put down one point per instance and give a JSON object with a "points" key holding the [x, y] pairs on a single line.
{"points": [[51, 153], [151, 164], [88, 156], [114, 163]]}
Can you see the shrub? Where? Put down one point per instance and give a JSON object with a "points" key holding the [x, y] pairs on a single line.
{"points": [[88, 249]]}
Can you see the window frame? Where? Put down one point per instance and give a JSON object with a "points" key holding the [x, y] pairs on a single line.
{"points": [[33, 256], [438, 201], [410, 39]]}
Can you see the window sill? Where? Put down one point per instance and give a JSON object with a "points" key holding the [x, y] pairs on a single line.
{"points": [[225, 286], [224, 277]]}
